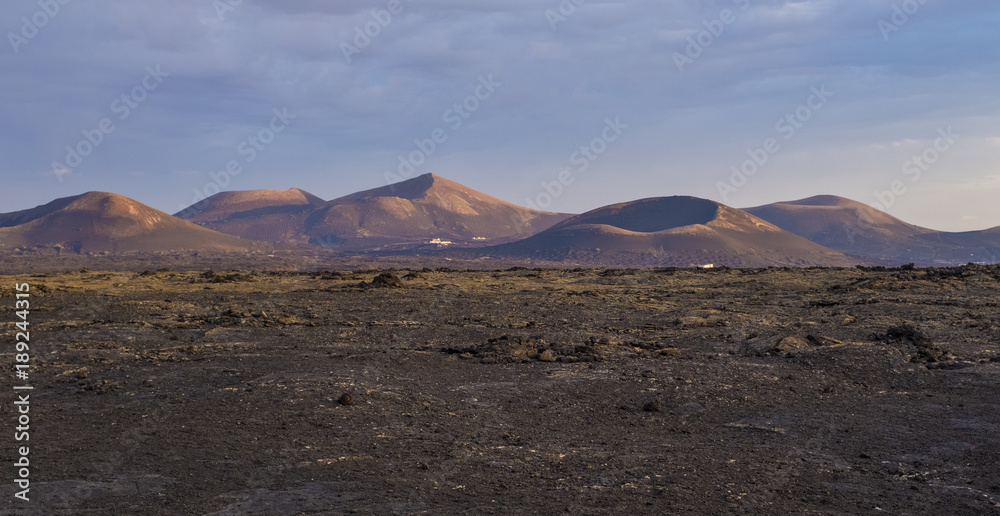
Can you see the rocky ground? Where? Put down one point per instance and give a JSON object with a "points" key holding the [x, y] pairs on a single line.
{"points": [[651, 391]]}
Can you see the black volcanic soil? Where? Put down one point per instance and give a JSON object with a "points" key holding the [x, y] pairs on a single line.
{"points": [[802, 391]]}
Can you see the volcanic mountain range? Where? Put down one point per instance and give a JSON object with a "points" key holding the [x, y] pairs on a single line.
{"points": [[408, 213], [427, 213]]}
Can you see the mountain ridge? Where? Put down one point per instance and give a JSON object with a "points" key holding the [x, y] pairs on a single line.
{"points": [[681, 231], [423, 208], [855, 228], [430, 211]]}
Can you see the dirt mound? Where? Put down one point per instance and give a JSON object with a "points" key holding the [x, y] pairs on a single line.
{"points": [[522, 349], [915, 345], [211, 276], [384, 280]]}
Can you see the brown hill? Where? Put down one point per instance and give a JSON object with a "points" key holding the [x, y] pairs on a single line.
{"points": [[672, 231], [276, 216], [107, 222], [856, 228], [421, 209]]}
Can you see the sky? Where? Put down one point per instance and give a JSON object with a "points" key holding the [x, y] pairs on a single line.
{"points": [[564, 105]]}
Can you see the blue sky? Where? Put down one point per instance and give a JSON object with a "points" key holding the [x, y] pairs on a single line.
{"points": [[665, 97]]}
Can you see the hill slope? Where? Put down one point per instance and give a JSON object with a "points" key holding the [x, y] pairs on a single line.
{"points": [[855, 228], [276, 216], [672, 231], [420, 209], [107, 222]]}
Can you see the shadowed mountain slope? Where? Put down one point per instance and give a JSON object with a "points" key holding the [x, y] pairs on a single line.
{"points": [[276, 216], [672, 231], [856, 228]]}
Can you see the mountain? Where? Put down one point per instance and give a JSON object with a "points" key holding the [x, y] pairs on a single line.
{"points": [[858, 229], [847, 226], [101, 221], [418, 210], [420, 213], [672, 231], [276, 216]]}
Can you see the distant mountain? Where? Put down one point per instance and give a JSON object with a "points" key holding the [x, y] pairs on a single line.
{"points": [[421, 209], [409, 213], [858, 229], [671, 231], [107, 222], [276, 216], [428, 212]]}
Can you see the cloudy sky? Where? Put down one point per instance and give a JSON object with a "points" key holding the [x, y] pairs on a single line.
{"points": [[157, 99]]}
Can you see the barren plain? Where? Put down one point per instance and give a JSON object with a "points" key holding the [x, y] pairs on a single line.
{"points": [[520, 391]]}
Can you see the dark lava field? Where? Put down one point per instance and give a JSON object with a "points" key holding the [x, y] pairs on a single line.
{"points": [[647, 391]]}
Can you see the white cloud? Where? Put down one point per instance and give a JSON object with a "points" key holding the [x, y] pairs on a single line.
{"points": [[971, 185]]}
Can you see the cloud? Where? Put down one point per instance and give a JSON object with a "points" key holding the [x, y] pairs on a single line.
{"points": [[980, 184]]}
